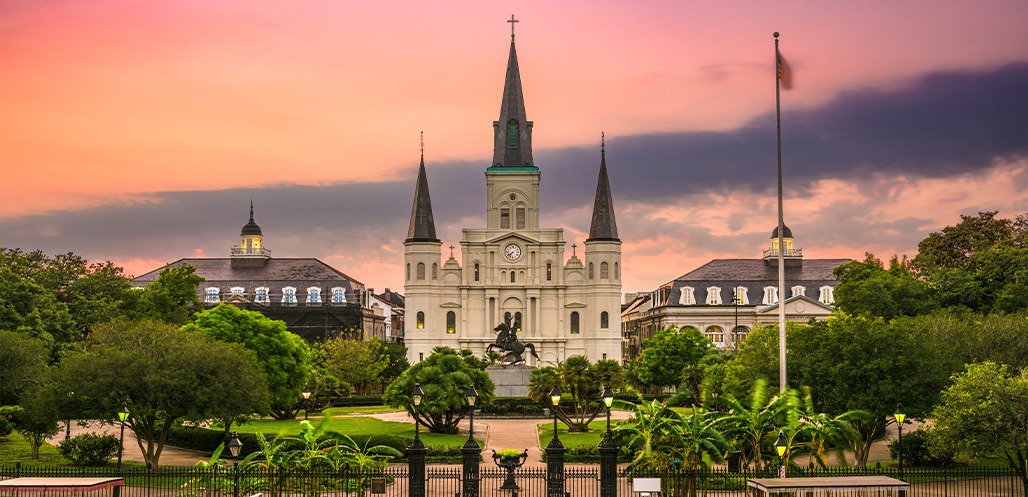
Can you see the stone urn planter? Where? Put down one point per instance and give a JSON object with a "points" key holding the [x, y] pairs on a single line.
{"points": [[510, 460]]}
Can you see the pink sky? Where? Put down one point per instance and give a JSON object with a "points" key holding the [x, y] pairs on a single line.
{"points": [[114, 101]]}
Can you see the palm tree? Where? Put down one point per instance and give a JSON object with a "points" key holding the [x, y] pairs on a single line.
{"points": [[754, 426], [825, 430], [701, 444], [654, 434]]}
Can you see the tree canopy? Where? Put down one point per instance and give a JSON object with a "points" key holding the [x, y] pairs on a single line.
{"points": [[284, 356], [357, 364], [164, 374], [579, 381], [444, 376], [22, 360], [171, 298], [672, 357]]}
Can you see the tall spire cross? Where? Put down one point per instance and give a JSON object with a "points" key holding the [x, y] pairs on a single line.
{"points": [[512, 21]]}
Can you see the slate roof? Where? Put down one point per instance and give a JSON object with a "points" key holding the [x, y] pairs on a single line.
{"points": [[512, 107], [422, 224], [603, 226], [276, 272], [754, 275]]}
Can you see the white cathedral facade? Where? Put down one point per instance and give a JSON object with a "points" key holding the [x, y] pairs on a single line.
{"points": [[512, 269]]}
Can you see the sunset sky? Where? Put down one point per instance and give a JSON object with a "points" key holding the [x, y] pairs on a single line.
{"points": [[139, 131]]}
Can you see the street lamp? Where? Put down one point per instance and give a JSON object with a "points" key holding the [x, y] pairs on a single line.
{"points": [[234, 448], [472, 396], [608, 400], [780, 446], [900, 417], [306, 402], [123, 415], [555, 454], [416, 395], [416, 450], [608, 452], [555, 400]]}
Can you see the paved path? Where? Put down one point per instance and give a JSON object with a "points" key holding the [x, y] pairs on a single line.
{"points": [[497, 434]]}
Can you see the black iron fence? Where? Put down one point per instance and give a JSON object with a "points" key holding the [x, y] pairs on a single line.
{"points": [[579, 481]]}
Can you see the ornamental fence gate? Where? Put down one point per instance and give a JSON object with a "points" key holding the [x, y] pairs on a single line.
{"points": [[447, 481]]}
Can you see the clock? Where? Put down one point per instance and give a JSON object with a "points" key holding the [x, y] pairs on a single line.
{"points": [[512, 252]]}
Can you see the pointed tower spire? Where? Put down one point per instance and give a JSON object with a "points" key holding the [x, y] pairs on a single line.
{"points": [[512, 146], [603, 226], [422, 226]]}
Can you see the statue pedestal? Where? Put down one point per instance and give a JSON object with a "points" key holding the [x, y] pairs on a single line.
{"points": [[511, 381]]}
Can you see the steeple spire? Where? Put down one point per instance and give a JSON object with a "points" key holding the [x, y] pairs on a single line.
{"points": [[422, 226], [512, 146], [603, 227]]}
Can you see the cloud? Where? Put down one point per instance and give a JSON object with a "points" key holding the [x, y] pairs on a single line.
{"points": [[870, 170]]}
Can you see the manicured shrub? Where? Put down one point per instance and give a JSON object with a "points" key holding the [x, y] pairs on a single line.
{"points": [[89, 449], [5, 426], [918, 452]]}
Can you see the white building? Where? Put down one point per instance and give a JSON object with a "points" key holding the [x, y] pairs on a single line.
{"points": [[512, 267]]}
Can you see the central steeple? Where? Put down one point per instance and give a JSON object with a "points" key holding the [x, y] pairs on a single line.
{"points": [[512, 145]]}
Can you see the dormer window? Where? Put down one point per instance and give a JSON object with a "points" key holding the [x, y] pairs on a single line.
{"points": [[289, 295], [827, 295], [238, 290], [798, 291], [313, 295], [212, 295], [770, 295], [513, 138], [714, 295], [688, 296], [741, 296], [338, 295], [261, 295]]}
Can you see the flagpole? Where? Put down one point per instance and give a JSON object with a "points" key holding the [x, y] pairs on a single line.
{"points": [[781, 226]]}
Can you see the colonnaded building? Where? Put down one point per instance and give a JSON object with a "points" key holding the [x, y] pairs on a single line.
{"points": [[513, 269]]}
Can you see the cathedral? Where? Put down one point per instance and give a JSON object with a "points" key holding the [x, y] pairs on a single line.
{"points": [[512, 270]]}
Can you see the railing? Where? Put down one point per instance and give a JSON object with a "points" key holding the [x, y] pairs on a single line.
{"points": [[237, 251], [579, 481], [787, 253]]}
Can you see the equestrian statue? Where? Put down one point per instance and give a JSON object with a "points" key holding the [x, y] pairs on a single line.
{"points": [[508, 343]]}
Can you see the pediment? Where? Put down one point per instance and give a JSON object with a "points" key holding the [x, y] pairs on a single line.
{"points": [[510, 236], [800, 304], [450, 305], [574, 305]]}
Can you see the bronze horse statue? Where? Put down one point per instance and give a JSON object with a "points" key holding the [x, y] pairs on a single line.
{"points": [[508, 343]]}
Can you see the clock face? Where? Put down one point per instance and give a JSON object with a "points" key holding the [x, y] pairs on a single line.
{"points": [[512, 251]]}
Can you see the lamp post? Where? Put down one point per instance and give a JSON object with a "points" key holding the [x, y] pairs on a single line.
{"points": [[234, 448], [306, 402], [608, 452], [470, 451], [416, 451], [67, 427], [555, 454], [780, 446], [900, 417], [123, 415]]}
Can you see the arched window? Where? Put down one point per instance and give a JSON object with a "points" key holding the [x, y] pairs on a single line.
{"points": [[213, 295], [261, 294], [770, 295], [591, 271], [421, 270], [451, 322], [313, 295], [604, 271], [713, 295], [574, 323], [408, 271], [827, 295], [798, 291], [517, 321], [604, 320], [742, 296], [477, 272], [435, 271], [519, 218], [237, 290], [289, 295], [512, 134], [688, 296], [617, 272], [421, 320], [739, 334], [338, 295], [504, 218], [512, 275], [715, 334], [549, 271]]}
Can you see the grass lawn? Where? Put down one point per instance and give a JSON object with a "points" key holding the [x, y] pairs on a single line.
{"points": [[340, 411], [14, 449], [587, 439], [352, 426]]}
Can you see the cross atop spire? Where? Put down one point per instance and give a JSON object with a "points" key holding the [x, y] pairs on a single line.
{"points": [[512, 21]]}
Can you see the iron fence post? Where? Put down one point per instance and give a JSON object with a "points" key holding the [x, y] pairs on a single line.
{"points": [[416, 453], [555, 468], [472, 455]]}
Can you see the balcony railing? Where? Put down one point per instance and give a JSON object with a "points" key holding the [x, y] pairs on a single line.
{"points": [[787, 253], [236, 251]]}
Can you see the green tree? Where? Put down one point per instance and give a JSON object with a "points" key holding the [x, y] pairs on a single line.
{"points": [[171, 298], [164, 374], [284, 357], [652, 435], [444, 376], [22, 360], [983, 414], [753, 425], [868, 288], [29, 308], [357, 363], [955, 246], [670, 355], [37, 417], [579, 381]]}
